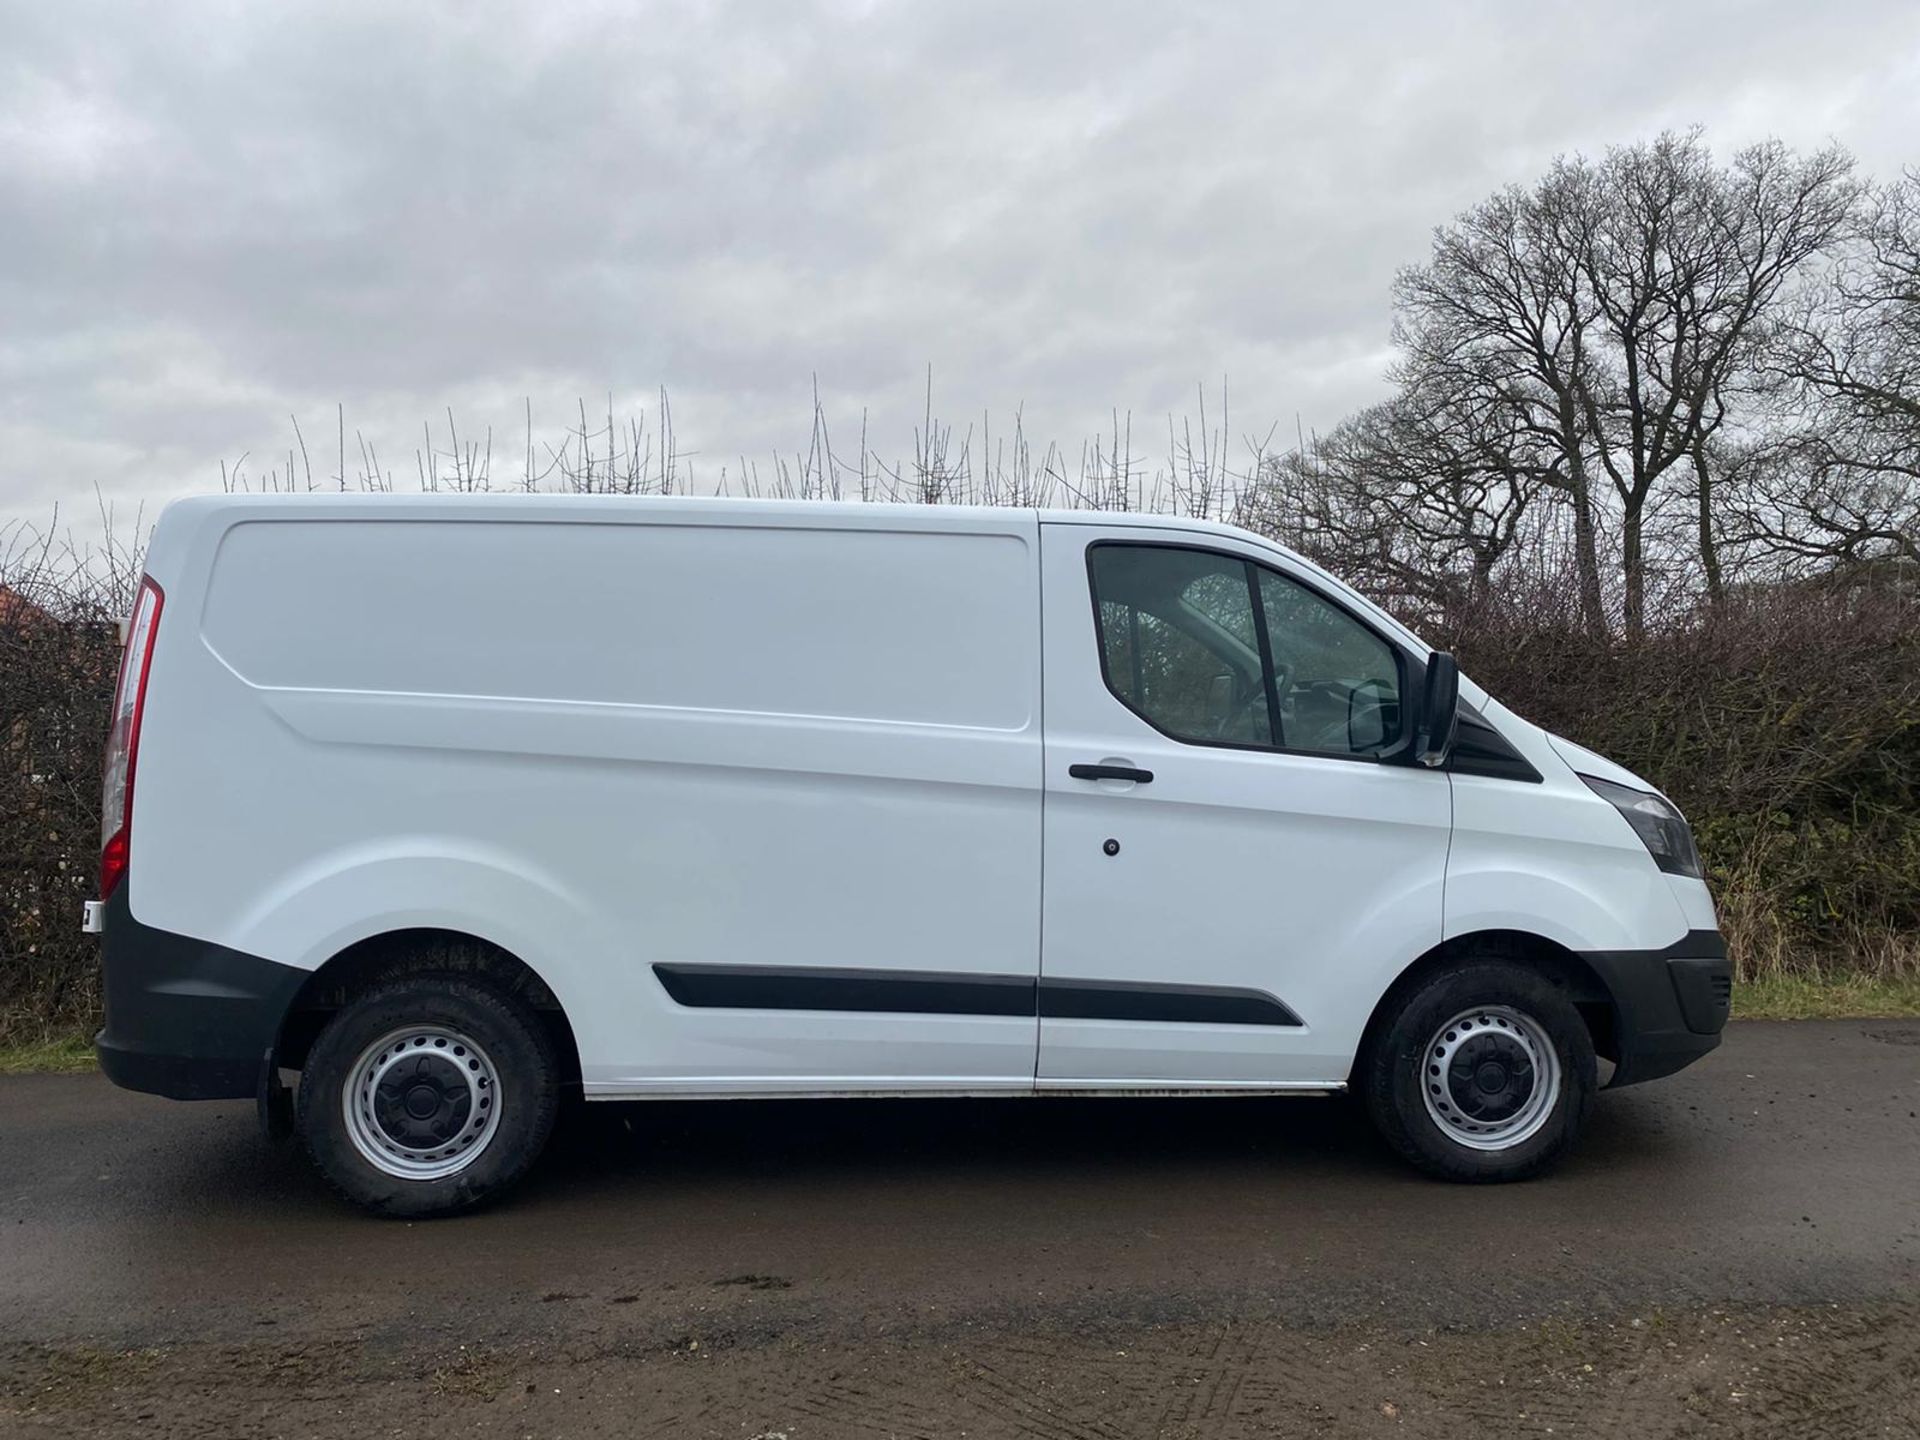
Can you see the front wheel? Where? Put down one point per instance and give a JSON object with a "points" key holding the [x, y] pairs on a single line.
{"points": [[1483, 1072], [427, 1095]]}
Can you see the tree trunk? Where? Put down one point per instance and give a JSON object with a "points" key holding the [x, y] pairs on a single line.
{"points": [[1709, 548], [1586, 555], [1633, 568], [1480, 585], [1586, 549]]}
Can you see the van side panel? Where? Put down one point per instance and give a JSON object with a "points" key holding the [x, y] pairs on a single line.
{"points": [[646, 736], [894, 627], [1549, 858]]}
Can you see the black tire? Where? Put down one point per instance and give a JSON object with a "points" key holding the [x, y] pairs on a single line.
{"points": [[506, 1034], [1397, 1069]]}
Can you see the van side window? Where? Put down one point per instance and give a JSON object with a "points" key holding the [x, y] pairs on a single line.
{"points": [[1179, 642], [1339, 682], [1215, 650]]}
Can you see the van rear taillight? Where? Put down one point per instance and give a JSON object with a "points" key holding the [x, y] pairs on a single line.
{"points": [[123, 737]]}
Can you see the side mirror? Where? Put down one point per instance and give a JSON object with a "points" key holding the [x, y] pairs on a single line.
{"points": [[1439, 710]]}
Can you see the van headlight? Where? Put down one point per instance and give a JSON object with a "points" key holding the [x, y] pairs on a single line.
{"points": [[1661, 828]]}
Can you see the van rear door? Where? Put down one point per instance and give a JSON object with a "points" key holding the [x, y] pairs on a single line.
{"points": [[1235, 867]]}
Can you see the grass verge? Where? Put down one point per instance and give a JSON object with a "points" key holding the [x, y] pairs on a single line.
{"points": [[1827, 995], [60, 1055]]}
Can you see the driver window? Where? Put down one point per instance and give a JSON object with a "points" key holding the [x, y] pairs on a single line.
{"points": [[1342, 690], [1179, 644]]}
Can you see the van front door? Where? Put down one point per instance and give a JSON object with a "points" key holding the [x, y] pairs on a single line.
{"points": [[1237, 858]]}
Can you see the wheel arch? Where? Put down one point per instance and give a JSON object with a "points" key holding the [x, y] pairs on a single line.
{"points": [[419, 950], [1565, 967]]}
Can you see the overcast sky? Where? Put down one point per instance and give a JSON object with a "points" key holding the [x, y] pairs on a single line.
{"points": [[214, 217]]}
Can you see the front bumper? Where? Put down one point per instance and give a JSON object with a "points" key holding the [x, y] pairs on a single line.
{"points": [[1669, 1005], [186, 1018]]}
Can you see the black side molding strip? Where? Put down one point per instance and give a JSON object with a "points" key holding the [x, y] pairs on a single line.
{"points": [[778, 987], [1175, 1004], [911, 992]]}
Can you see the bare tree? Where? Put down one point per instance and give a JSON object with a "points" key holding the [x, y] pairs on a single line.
{"points": [[1686, 258], [1840, 482], [1611, 307], [1499, 317], [1420, 498]]}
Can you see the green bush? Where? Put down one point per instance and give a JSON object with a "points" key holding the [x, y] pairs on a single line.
{"points": [[1786, 723], [57, 667]]}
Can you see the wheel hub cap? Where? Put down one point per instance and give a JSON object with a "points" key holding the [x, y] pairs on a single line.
{"points": [[422, 1103], [1490, 1078]]}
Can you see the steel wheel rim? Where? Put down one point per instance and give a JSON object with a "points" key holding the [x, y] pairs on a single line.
{"points": [[422, 1103], [1490, 1077]]}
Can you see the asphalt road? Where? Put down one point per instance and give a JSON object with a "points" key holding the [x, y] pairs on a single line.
{"points": [[1025, 1267]]}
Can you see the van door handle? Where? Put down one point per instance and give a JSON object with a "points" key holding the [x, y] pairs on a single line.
{"points": [[1111, 772]]}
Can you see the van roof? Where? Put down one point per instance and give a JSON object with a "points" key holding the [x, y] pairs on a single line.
{"points": [[194, 512], [441, 505]]}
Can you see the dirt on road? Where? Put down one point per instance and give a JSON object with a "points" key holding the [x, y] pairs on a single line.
{"points": [[1735, 1251]]}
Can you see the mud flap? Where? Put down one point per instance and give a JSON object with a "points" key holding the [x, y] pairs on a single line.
{"points": [[273, 1101]]}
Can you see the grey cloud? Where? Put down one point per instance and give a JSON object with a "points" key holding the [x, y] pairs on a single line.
{"points": [[212, 217]]}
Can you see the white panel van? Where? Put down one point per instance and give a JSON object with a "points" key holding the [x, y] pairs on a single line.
{"points": [[423, 811]]}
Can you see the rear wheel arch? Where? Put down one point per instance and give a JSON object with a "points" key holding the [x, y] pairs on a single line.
{"points": [[396, 954], [1565, 968]]}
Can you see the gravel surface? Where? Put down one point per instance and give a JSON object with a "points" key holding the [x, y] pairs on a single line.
{"points": [[1733, 1251]]}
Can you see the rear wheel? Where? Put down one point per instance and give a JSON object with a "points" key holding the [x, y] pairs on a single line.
{"points": [[1482, 1072], [428, 1095]]}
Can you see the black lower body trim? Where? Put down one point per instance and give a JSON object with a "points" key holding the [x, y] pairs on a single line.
{"points": [[1669, 1005], [1167, 1004], [187, 1018], [178, 1077], [777, 987]]}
